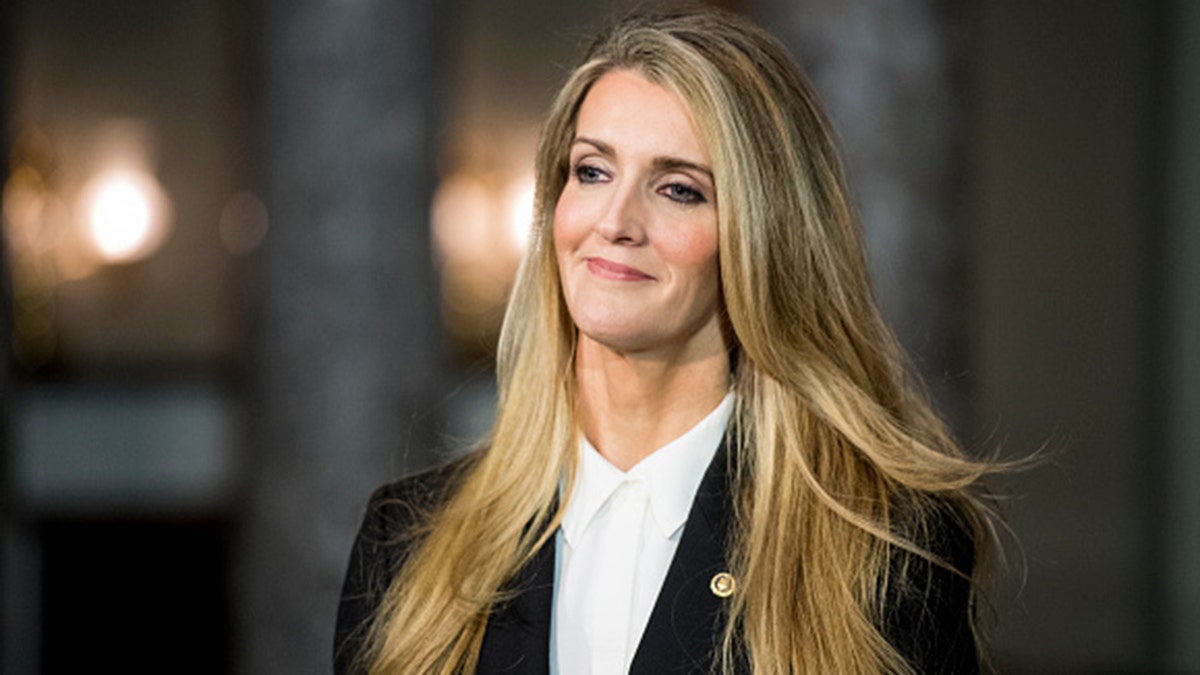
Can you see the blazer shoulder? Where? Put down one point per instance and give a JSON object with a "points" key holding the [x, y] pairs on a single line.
{"points": [[397, 508], [395, 520]]}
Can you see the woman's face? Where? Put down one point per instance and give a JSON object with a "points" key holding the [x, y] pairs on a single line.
{"points": [[635, 228]]}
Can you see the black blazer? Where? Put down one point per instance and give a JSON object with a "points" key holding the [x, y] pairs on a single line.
{"points": [[929, 624]]}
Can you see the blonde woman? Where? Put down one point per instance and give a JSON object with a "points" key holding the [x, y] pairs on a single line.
{"points": [[710, 454]]}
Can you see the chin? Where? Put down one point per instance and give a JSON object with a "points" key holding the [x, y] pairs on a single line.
{"points": [[617, 340], [621, 336]]}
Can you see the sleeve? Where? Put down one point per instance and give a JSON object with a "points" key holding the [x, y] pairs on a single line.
{"points": [[928, 618]]}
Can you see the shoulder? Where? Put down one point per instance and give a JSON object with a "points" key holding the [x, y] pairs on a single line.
{"points": [[398, 512], [396, 517], [398, 509]]}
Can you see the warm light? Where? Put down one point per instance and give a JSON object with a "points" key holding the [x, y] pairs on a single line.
{"points": [[126, 216], [481, 222], [462, 210], [120, 219], [520, 208]]}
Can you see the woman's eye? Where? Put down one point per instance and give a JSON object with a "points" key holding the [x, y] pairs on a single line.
{"points": [[683, 194], [585, 173]]}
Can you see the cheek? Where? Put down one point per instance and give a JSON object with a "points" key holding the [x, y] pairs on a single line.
{"points": [[565, 237], [566, 230], [696, 252], [697, 258]]}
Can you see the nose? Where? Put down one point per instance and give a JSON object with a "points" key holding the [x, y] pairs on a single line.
{"points": [[624, 219]]}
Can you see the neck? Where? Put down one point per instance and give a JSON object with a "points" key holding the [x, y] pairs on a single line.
{"points": [[631, 405]]}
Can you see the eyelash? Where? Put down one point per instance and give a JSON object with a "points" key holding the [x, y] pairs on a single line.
{"points": [[680, 193], [581, 169], [684, 194]]}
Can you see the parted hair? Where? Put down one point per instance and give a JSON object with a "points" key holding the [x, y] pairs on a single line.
{"points": [[842, 471]]}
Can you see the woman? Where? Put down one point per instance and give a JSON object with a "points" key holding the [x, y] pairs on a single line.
{"points": [[710, 454]]}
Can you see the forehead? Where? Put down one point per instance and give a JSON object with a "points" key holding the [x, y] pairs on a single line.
{"points": [[623, 109]]}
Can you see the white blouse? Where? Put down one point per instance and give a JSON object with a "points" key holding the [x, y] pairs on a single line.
{"points": [[617, 539]]}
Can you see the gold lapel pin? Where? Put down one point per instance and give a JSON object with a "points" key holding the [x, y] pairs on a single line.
{"points": [[722, 585]]}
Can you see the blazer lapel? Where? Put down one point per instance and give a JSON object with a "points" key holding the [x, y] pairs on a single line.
{"points": [[517, 639], [688, 617]]}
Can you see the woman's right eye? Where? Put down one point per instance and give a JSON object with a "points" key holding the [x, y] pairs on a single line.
{"points": [[586, 173]]}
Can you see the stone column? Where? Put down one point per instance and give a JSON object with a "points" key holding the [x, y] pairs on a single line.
{"points": [[345, 348], [887, 73]]}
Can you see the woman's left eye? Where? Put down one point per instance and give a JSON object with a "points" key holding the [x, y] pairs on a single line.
{"points": [[585, 173], [684, 194]]}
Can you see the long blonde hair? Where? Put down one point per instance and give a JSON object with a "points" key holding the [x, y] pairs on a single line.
{"points": [[840, 466]]}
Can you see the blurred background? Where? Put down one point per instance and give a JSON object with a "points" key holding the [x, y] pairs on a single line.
{"points": [[255, 257]]}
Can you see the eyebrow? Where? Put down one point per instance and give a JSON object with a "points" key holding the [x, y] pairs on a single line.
{"points": [[659, 163]]}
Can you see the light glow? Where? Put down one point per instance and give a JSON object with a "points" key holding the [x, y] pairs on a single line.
{"points": [[126, 216], [520, 209]]}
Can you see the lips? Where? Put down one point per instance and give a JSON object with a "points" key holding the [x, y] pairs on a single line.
{"points": [[607, 269]]}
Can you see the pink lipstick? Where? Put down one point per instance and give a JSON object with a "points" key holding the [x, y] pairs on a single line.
{"points": [[607, 269]]}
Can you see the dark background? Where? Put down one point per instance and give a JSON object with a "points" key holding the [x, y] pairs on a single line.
{"points": [[187, 440]]}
